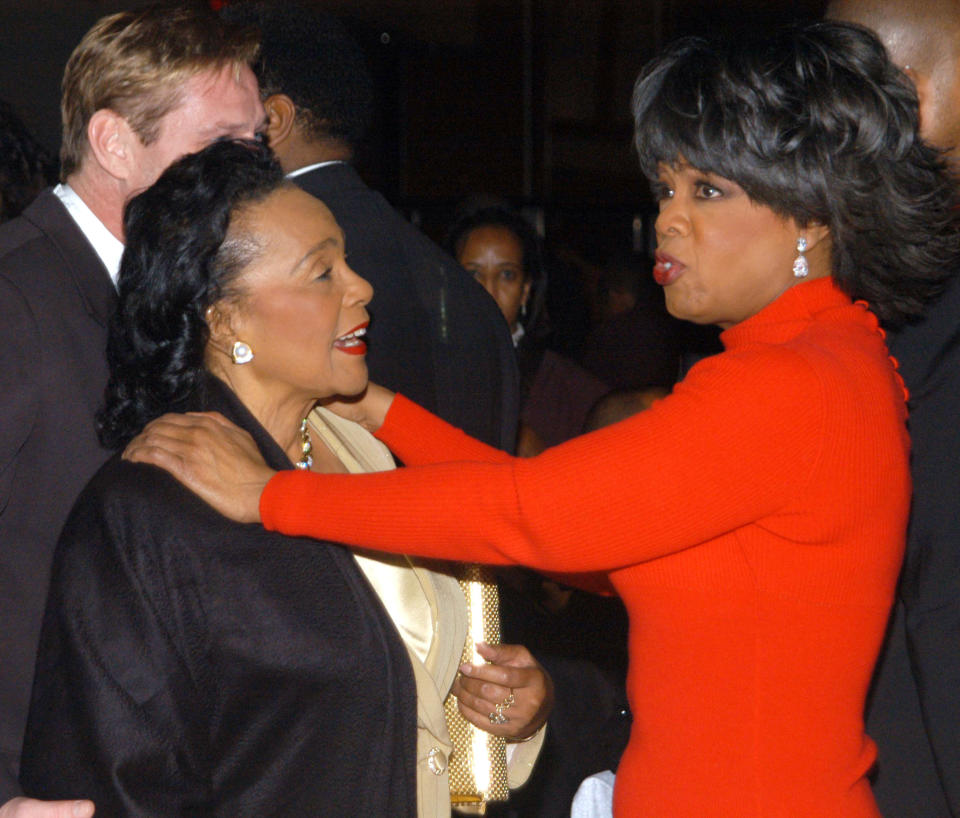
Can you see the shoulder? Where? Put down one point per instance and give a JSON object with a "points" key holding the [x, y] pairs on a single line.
{"points": [[135, 502], [761, 373], [928, 348], [29, 251]]}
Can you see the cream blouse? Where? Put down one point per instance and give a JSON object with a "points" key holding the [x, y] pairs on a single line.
{"points": [[428, 608]]}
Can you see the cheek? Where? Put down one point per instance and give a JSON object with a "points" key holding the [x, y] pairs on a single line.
{"points": [[294, 318]]}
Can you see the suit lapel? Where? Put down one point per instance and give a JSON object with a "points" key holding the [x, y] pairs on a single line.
{"points": [[81, 264]]}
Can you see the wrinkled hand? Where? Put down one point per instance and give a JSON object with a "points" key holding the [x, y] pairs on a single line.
{"points": [[480, 688], [28, 808], [369, 409], [210, 456]]}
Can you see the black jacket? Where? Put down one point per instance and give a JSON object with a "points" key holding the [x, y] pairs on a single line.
{"points": [[55, 301], [914, 708], [192, 666]]}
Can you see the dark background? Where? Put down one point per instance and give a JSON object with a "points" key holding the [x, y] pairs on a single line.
{"points": [[525, 99]]}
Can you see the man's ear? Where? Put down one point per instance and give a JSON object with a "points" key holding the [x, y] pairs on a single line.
{"points": [[922, 83], [111, 141], [282, 113]]}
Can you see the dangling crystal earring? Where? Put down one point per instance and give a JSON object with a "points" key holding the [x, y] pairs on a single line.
{"points": [[241, 353], [306, 446], [523, 310], [801, 267]]}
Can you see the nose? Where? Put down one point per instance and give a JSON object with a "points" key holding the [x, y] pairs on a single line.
{"points": [[358, 290], [672, 218]]}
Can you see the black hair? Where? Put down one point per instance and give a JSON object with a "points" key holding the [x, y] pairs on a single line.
{"points": [[818, 124], [481, 213], [180, 258], [310, 57], [498, 215], [26, 167]]}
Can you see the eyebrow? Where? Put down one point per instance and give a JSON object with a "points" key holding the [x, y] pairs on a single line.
{"points": [[330, 241]]}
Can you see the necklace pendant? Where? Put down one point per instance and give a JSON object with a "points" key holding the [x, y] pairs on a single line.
{"points": [[305, 463]]}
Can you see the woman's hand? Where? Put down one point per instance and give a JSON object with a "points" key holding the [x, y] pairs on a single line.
{"points": [[368, 409], [28, 808], [511, 696], [210, 456]]}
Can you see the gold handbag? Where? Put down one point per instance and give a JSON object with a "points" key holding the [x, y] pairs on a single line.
{"points": [[478, 764]]}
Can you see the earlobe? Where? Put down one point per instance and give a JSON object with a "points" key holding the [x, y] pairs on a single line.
{"points": [[814, 233]]}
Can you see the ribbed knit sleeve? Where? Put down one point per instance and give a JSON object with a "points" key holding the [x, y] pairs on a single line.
{"points": [[443, 444], [733, 443]]}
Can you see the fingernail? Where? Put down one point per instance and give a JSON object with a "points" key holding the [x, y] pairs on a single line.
{"points": [[466, 668]]}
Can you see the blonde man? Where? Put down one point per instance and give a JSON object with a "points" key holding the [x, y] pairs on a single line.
{"points": [[141, 89]]}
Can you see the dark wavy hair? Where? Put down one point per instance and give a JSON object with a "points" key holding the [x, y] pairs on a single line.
{"points": [[309, 56], [498, 214], [818, 124], [181, 256]]}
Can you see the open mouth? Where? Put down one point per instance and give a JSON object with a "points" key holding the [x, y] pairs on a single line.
{"points": [[353, 342], [667, 269]]}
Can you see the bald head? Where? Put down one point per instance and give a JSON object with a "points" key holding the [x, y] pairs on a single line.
{"points": [[922, 37]]}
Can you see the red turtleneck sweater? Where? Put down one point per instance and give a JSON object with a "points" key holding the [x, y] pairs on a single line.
{"points": [[753, 523]]}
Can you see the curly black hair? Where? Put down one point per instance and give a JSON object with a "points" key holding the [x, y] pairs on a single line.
{"points": [[818, 124], [26, 167], [310, 57], [181, 257]]}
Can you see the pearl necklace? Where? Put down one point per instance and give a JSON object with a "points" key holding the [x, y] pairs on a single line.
{"points": [[305, 462]]}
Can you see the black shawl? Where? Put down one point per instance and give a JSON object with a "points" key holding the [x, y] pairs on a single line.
{"points": [[192, 666]]}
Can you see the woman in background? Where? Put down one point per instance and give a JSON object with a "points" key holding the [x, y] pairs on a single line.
{"points": [[502, 251], [753, 520]]}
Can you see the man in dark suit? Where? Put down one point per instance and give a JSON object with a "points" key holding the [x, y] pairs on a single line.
{"points": [[435, 335], [914, 708], [141, 89]]}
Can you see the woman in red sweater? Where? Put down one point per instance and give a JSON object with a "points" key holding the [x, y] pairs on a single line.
{"points": [[753, 521]]}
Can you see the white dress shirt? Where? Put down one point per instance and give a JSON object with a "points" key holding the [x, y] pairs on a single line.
{"points": [[106, 245]]}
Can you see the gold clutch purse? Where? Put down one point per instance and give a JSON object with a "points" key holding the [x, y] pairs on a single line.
{"points": [[478, 764]]}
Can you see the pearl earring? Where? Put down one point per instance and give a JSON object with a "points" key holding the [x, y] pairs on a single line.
{"points": [[801, 267], [241, 353]]}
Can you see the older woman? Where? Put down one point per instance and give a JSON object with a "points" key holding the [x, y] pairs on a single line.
{"points": [[192, 666], [753, 521]]}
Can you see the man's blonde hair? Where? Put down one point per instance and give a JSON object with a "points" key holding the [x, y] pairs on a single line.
{"points": [[135, 63]]}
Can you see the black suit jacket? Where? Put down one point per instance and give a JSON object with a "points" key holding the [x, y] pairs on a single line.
{"points": [[193, 666], [914, 709], [55, 299], [435, 335]]}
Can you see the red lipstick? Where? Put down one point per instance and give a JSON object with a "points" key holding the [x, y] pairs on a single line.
{"points": [[352, 342], [667, 269]]}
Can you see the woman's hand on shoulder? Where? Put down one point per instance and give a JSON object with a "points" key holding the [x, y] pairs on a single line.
{"points": [[369, 409], [510, 696], [211, 456]]}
